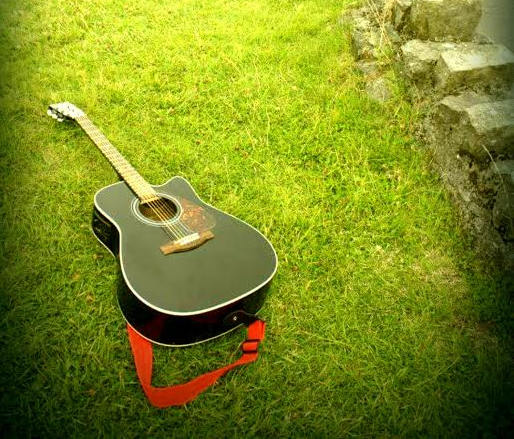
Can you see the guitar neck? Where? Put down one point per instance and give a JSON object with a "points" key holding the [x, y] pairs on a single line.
{"points": [[125, 170]]}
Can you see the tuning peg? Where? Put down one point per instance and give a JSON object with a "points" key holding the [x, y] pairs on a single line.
{"points": [[49, 112]]}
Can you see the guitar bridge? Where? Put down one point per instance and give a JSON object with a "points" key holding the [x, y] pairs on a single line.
{"points": [[186, 243]]}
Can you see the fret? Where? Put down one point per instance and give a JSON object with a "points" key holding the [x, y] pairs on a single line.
{"points": [[126, 171]]}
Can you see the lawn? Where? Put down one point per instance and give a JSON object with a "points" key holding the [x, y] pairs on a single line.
{"points": [[380, 320]]}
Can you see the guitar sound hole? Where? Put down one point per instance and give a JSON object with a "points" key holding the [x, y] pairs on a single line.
{"points": [[162, 209]]}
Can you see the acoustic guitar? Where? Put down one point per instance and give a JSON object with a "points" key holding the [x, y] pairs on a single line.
{"points": [[188, 272]]}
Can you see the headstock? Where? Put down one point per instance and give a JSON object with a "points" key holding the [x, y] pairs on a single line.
{"points": [[64, 110]]}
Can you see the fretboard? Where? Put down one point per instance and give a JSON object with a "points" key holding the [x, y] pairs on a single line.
{"points": [[126, 171]]}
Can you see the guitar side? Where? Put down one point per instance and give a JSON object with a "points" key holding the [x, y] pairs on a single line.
{"points": [[188, 297]]}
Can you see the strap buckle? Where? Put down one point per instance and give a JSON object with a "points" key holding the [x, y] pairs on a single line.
{"points": [[250, 346]]}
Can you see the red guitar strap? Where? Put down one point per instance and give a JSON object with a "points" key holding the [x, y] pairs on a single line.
{"points": [[184, 393]]}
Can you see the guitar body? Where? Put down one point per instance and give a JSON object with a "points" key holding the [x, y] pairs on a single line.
{"points": [[188, 271], [189, 296]]}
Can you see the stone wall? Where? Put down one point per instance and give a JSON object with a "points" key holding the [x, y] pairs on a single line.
{"points": [[466, 82]]}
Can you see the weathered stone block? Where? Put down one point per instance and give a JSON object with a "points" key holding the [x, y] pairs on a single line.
{"points": [[462, 150], [485, 64], [391, 34], [503, 209], [465, 132], [400, 13], [493, 127], [452, 108], [505, 168], [420, 58], [365, 38], [476, 125], [365, 43], [445, 20]]}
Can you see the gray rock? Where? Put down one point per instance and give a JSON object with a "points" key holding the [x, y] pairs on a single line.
{"points": [[505, 168], [364, 36], [356, 17], [367, 38], [360, 20], [361, 45], [452, 108], [510, 92], [503, 210], [482, 39], [475, 124], [472, 65], [458, 65], [368, 68], [400, 13], [493, 122], [473, 182], [420, 57], [378, 89], [391, 34], [445, 20]]}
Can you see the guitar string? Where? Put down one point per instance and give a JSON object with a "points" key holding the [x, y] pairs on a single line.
{"points": [[159, 207], [167, 211], [118, 160], [178, 234]]}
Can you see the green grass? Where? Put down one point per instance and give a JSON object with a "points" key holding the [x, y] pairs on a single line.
{"points": [[380, 320]]}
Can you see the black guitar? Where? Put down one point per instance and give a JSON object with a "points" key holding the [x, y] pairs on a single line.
{"points": [[189, 272]]}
